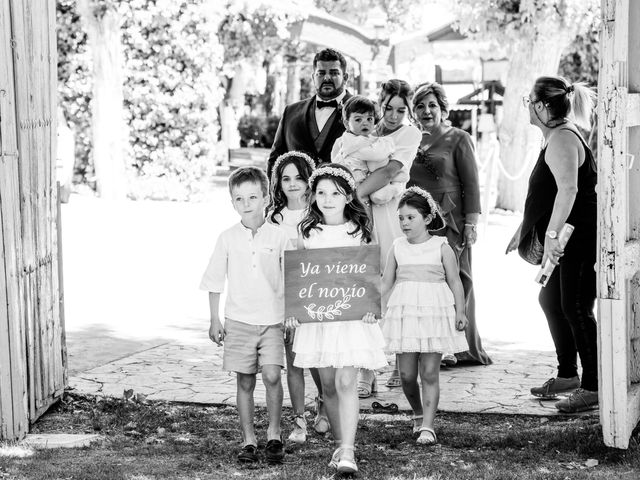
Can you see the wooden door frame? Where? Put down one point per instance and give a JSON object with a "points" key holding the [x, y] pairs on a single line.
{"points": [[618, 246]]}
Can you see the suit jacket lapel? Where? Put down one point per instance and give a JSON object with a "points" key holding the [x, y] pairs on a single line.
{"points": [[337, 127], [310, 126], [308, 120]]}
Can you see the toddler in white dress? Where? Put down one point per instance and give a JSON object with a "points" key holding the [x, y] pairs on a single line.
{"points": [[425, 314]]}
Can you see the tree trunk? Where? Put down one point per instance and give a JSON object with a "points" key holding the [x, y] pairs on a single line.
{"points": [[109, 131], [519, 141], [293, 82]]}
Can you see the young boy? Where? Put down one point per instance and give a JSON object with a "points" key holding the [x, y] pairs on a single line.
{"points": [[249, 255], [362, 152]]}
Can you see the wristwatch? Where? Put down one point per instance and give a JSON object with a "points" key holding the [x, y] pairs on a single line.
{"points": [[552, 234]]}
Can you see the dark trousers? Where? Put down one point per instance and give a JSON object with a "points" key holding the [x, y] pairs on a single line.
{"points": [[567, 302]]}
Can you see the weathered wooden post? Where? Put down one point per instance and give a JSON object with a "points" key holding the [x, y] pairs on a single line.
{"points": [[13, 377], [619, 221], [32, 350]]}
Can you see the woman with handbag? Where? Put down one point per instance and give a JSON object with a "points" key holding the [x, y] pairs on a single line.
{"points": [[562, 190]]}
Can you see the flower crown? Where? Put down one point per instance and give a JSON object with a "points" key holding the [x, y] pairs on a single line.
{"points": [[333, 172], [294, 153], [433, 206]]}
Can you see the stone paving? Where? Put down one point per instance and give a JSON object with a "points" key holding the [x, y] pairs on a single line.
{"points": [[136, 319], [193, 373]]}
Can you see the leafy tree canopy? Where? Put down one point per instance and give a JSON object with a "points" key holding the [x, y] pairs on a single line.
{"points": [[504, 20], [252, 30], [400, 14], [170, 87], [580, 62]]}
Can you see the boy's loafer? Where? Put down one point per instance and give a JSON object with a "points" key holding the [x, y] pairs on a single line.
{"points": [[274, 451], [248, 454]]}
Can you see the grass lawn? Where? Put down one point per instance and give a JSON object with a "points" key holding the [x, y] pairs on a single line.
{"points": [[151, 440]]}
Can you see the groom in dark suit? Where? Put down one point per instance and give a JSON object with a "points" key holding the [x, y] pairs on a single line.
{"points": [[313, 125]]}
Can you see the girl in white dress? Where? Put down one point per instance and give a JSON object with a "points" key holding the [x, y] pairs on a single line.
{"points": [[336, 218], [425, 314], [289, 200]]}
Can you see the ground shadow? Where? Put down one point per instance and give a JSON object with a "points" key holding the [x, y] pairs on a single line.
{"points": [[94, 345]]}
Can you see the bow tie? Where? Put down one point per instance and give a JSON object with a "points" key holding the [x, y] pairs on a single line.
{"points": [[329, 104]]}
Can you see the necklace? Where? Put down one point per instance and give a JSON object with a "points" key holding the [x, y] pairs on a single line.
{"points": [[552, 125], [432, 138], [556, 122]]}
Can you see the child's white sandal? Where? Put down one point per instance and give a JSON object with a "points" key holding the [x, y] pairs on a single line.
{"points": [[347, 463], [427, 436]]}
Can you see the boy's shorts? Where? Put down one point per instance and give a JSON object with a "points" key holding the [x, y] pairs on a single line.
{"points": [[247, 347]]}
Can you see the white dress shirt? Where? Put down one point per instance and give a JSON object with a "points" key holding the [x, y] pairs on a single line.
{"points": [[252, 266], [323, 114]]}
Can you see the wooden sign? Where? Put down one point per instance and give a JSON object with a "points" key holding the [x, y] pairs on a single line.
{"points": [[332, 284]]}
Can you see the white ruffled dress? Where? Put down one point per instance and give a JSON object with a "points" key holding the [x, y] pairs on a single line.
{"points": [[421, 314], [337, 344]]}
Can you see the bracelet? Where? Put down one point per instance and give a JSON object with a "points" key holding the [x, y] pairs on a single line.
{"points": [[472, 225]]}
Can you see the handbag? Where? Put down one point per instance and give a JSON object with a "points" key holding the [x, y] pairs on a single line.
{"points": [[530, 248]]}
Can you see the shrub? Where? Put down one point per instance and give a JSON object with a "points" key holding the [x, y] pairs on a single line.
{"points": [[250, 128], [257, 131], [171, 90]]}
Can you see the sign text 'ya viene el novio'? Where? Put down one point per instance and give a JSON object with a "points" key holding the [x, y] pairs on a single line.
{"points": [[332, 284]]}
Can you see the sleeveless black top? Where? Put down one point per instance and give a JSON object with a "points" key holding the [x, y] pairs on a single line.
{"points": [[539, 206]]}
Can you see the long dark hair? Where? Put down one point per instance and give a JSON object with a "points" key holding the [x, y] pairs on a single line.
{"points": [[396, 88], [354, 211], [426, 206], [278, 199]]}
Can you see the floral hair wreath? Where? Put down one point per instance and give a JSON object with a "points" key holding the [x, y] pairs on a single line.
{"points": [[294, 153], [333, 172], [433, 206]]}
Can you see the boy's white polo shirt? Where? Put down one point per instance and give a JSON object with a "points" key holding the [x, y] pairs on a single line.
{"points": [[253, 267]]}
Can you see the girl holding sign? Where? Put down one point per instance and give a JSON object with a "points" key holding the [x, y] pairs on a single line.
{"points": [[289, 201], [425, 314], [337, 218]]}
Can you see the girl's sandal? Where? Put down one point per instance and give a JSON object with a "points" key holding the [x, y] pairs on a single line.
{"points": [[335, 458], [394, 380], [320, 423], [367, 383], [427, 436], [417, 423], [347, 463]]}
